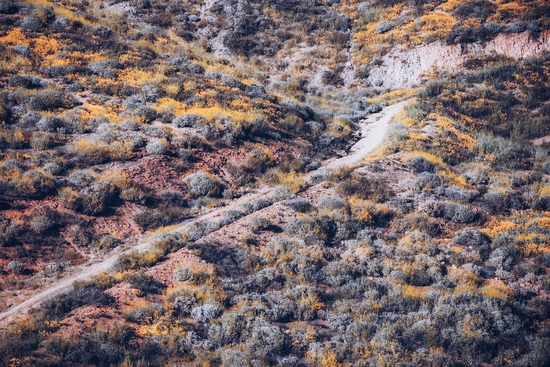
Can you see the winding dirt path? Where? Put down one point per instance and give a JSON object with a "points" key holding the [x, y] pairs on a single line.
{"points": [[373, 133], [373, 130]]}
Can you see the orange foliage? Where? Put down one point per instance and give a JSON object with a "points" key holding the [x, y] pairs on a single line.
{"points": [[497, 289], [437, 24], [15, 37]]}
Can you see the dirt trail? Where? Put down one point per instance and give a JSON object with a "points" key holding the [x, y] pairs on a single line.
{"points": [[373, 130]]}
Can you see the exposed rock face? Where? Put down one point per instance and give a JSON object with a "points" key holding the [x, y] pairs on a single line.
{"points": [[516, 46], [407, 68]]}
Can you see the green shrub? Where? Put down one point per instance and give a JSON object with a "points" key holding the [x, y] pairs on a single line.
{"points": [[501, 201], [145, 283], [299, 204], [40, 224], [471, 237], [157, 147], [134, 195], [137, 260], [433, 89], [421, 222], [184, 305], [200, 229], [151, 219], [191, 276], [13, 139], [190, 120], [420, 164], [146, 315], [507, 153], [93, 154], [148, 219], [375, 189], [330, 203], [257, 160], [205, 313], [35, 184], [231, 216], [293, 124], [25, 81], [81, 295], [174, 198], [202, 184], [20, 339], [480, 9], [69, 198], [92, 199], [416, 111], [41, 141], [107, 242], [49, 124], [458, 213], [96, 197], [370, 14], [497, 74], [37, 19], [47, 100], [166, 243], [259, 223], [9, 230]]}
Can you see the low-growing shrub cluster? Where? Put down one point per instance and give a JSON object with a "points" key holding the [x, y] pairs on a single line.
{"points": [[151, 218], [89, 197], [363, 187]]}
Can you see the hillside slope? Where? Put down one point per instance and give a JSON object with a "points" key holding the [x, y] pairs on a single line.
{"points": [[199, 169]]}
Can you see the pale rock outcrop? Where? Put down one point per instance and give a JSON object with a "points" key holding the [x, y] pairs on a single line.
{"points": [[408, 68]]}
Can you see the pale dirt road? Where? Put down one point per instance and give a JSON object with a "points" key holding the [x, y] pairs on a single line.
{"points": [[373, 131]]}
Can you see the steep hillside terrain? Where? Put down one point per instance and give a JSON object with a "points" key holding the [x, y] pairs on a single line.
{"points": [[186, 183]]}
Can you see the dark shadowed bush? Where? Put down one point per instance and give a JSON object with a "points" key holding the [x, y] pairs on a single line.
{"points": [[148, 219], [137, 260], [145, 283], [375, 189], [190, 120], [420, 164], [81, 295], [96, 197], [471, 237], [146, 315], [231, 216], [25, 81], [48, 100], [9, 230], [299, 204], [459, 213]]}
